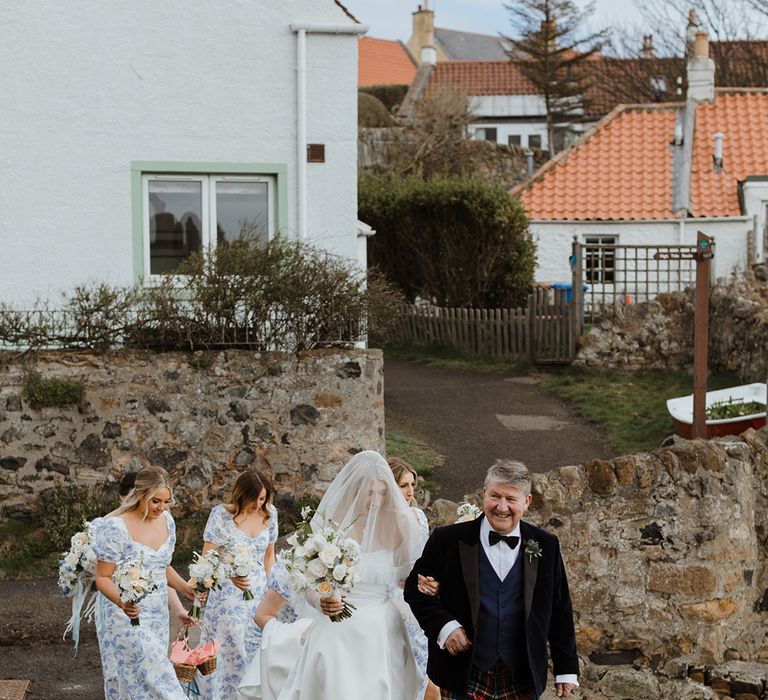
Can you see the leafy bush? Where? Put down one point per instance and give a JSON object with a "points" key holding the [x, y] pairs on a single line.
{"points": [[66, 509], [53, 392], [391, 96], [371, 113], [454, 240]]}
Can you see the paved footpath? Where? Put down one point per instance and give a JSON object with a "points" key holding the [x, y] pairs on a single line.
{"points": [[473, 418]]}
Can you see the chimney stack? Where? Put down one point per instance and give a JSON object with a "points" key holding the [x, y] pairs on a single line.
{"points": [[647, 51], [701, 71], [423, 33]]}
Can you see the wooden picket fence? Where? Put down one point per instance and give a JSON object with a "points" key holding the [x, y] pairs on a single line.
{"points": [[543, 332]]}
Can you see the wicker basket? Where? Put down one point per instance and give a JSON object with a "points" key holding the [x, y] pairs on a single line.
{"points": [[208, 666], [184, 673]]}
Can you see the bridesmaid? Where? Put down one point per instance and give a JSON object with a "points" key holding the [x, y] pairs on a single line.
{"points": [[248, 519], [407, 478], [135, 659]]}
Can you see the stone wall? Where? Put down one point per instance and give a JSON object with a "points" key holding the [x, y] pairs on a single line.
{"points": [[298, 417], [667, 557], [659, 334]]}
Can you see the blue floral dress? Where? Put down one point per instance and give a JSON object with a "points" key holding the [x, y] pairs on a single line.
{"points": [[134, 660], [229, 616]]}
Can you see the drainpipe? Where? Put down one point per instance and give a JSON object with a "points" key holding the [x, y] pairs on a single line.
{"points": [[301, 31]]}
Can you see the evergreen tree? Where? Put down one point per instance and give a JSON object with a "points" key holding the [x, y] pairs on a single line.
{"points": [[553, 53]]}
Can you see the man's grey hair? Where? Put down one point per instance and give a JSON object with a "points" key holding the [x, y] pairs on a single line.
{"points": [[508, 471]]}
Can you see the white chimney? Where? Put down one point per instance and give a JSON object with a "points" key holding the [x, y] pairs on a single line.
{"points": [[701, 71]]}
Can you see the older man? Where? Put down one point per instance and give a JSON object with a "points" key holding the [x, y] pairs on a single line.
{"points": [[503, 597]]}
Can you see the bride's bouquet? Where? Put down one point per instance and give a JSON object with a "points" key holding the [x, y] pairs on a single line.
{"points": [[323, 560], [135, 582], [206, 572], [77, 572], [240, 562]]}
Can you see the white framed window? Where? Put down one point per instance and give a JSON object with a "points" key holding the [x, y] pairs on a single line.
{"points": [[183, 214], [600, 259]]}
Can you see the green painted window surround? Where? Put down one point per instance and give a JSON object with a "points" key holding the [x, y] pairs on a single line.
{"points": [[150, 167]]}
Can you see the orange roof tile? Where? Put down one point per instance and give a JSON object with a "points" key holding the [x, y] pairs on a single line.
{"points": [[383, 62], [742, 118], [622, 169], [481, 78]]}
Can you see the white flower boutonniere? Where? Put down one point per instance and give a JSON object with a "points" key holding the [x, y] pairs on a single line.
{"points": [[467, 511], [532, 550]]}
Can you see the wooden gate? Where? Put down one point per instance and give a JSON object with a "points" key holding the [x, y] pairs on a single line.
{"points": [[542, 332]]}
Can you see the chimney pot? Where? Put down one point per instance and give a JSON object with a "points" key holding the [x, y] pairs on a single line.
{"points": [[701, 48], [717, 157]]}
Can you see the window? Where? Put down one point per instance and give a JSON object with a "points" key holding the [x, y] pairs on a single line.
{"points": [[486, 134], [513, 140], [186, 213], [534, 141], [600, 259]]}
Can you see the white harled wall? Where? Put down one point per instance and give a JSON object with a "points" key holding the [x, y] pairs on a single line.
{"points": [[89, 87]]}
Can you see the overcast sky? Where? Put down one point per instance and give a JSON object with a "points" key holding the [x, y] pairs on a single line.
{"points": [[391, 19]]}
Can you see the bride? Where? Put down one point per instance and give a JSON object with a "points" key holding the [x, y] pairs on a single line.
{"points": [[367, 655]]}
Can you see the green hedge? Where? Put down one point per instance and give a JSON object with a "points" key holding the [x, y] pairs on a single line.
{"points": [[452, 239], [391, 96]]}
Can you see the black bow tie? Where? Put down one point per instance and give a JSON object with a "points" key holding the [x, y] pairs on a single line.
{"points": [[494, 537]]}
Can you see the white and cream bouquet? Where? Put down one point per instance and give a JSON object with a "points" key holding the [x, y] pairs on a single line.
{"points": [[323, 560], [77, 567], [206, 573], [134, 582], [241, 562], [467, 511], [77, 573]]}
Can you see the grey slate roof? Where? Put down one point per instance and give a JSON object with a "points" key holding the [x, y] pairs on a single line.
{"points": [[467, 46]]}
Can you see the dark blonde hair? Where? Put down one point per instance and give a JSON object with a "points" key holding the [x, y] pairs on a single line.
{"points": [[399, 468], [148, 482], [247, 489]]}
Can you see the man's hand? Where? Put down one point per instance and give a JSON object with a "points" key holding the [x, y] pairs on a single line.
{"points": [[564, 690], [457, 642]]}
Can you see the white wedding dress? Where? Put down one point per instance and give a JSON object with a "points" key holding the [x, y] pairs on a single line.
{"points": [[365, 656]]}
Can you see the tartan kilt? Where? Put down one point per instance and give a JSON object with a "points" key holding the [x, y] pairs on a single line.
{"points": [[494, 684]]}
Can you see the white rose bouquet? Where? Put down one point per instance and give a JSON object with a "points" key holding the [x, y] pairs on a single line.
{"points": [[134, 582], [323, 560], [240, 561], [467, 511], [206, 573], [78, 565], [77, 572]]}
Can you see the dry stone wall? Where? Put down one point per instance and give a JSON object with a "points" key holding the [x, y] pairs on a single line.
{"points": [[659, 334], [299, 417]]}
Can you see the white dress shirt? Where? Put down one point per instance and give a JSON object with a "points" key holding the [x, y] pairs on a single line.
{"points": [[502, 558]]}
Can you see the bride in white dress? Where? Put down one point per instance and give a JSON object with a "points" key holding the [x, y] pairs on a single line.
{"points": [[367, 655]]}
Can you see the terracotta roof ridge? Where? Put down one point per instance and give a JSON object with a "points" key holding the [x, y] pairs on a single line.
{"points": [[473, 61], [741, 90]]}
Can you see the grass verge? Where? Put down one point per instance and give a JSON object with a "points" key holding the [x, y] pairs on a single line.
{"points": [[630, 408]]}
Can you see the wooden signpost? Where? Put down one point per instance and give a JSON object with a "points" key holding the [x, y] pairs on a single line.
{"points": [[705, 251]]}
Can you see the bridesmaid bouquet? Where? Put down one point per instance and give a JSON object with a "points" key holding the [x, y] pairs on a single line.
{"points": [[134, 583], [207, 571], [240, 562], [77, 567], [77, 571], [323, 560]]}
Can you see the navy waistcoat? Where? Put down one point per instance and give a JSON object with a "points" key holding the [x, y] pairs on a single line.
{"points": [[500, 630]]}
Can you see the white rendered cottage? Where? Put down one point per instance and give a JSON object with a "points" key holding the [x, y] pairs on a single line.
{"points": [[134, 133]]}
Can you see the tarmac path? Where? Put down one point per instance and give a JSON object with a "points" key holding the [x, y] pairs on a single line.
{"points": [[473, 418]]}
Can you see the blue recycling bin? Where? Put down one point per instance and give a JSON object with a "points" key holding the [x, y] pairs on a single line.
{"points": [[568, 287]]}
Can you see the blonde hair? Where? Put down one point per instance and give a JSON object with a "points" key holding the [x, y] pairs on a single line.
{"points": [[400, 468], [148, 482]]}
